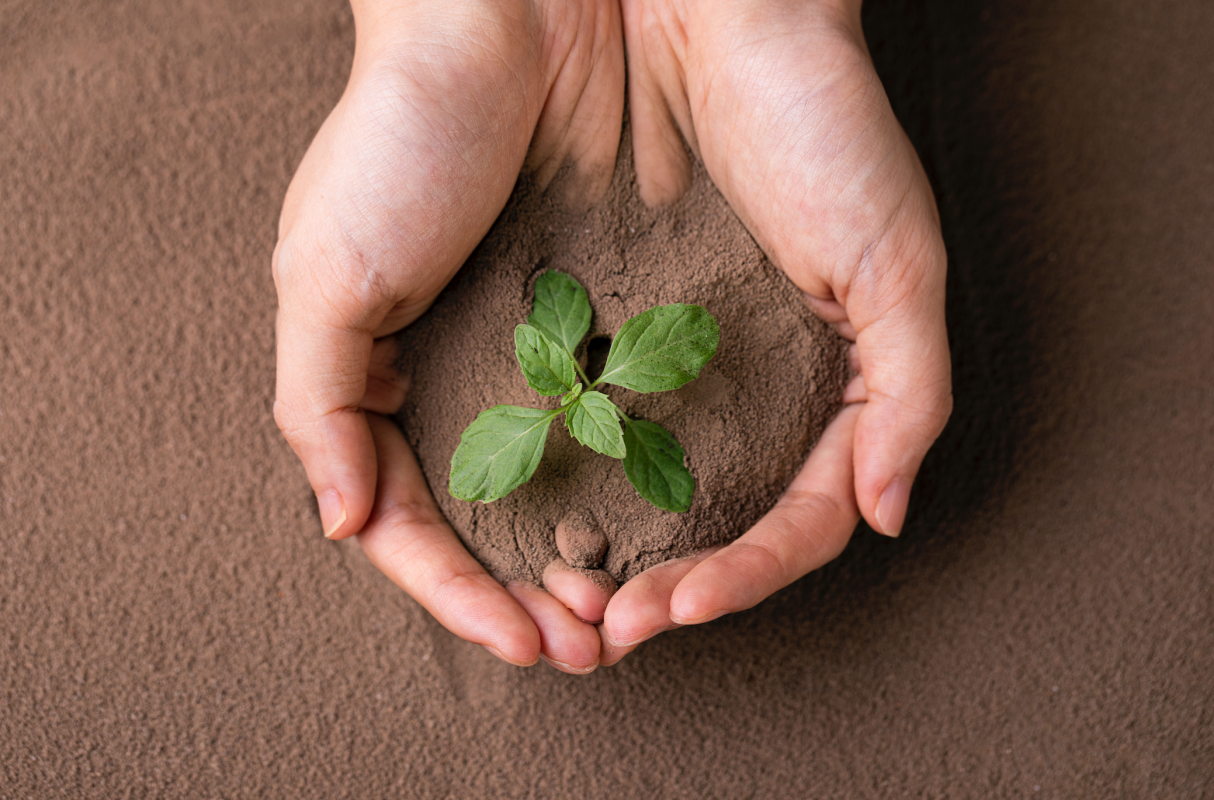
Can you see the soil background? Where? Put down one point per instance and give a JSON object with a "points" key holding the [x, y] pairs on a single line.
{"points": [[174, 624]]}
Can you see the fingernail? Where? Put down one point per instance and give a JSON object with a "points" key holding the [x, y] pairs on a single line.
{"points": [[891, 508], [332, 512], [498, 654], [709, 617], [640, 639], [561, 665], [614, 644]]}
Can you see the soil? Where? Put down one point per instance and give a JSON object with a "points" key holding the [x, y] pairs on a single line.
{"points": [[746, 423]]}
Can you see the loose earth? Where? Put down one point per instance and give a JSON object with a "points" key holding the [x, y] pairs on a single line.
{"points": [[746, 423]]}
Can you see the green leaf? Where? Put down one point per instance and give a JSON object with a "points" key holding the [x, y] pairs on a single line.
{"points": [[499, 452], [548, 369], [595, 422], [561, 310], [573, 395], [654, 465], [662, 349]]}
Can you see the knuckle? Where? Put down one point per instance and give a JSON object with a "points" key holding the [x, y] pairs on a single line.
{"points": [[297, 426], [812, 517], [944, 408], [367, 286], [334, 276], [925, 411], [282, 415], [451, 592], [906, 257], [351, 285], [761, 558], [406, 515], [286, 418], [936, 405], [812, 508]]}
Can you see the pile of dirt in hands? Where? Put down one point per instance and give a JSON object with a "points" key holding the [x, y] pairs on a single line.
{"points": [[746, 423]]}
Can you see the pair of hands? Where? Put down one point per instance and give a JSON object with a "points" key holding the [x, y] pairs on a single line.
{"points": [[447, 103]]}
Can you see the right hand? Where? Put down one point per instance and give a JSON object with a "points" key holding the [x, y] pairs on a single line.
{"points": [[782, 103], [447, 101]]}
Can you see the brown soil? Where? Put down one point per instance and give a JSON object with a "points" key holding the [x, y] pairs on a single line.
{"points": [[746, 423]]}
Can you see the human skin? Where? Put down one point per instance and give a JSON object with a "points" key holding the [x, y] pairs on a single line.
{"points": [[446, 104]]}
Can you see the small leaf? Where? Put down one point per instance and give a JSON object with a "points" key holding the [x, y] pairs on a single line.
{"points": [[654, 465], [498, 452], [573, 395], [561, 310], [548, 369], [595, 422], [662, 348]]}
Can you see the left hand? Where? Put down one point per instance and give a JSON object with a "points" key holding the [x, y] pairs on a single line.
{"points": [[448, 100]]}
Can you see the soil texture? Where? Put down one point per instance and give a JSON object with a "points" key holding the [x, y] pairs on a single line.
{"points": [[746, 423]]}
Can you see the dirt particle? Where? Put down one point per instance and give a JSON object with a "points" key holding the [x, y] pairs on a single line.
{"points": [[580, 541]]}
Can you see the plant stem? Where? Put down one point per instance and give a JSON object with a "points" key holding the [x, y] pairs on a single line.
{"points": [[600, 380], [582, 375]]}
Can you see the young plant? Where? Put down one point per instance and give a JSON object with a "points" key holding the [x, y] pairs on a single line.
{"points": [[661, 349]]}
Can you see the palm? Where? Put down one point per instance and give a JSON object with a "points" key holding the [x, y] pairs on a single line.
{"points": [[824, 154], [417, 159], [799, 135]]}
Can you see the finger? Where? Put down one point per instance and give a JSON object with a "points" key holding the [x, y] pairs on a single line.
{"points": [[410, 542], [386, 386], [585, 592], [658, 111], [581, 120], [833, 313], [904, 359], [566, 643], [323, 356], [641, 608], [807, 528], [855, 391], [827, 309]]}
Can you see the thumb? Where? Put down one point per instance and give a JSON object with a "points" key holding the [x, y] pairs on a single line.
{"points": [[896, 303], [658, 109], [584, 108], [323, 356]]}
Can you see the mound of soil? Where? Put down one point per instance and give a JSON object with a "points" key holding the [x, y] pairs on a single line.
{"points": [[746, 424]]}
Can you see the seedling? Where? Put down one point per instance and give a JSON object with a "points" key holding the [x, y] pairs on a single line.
{"points": [[661, 349]]}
